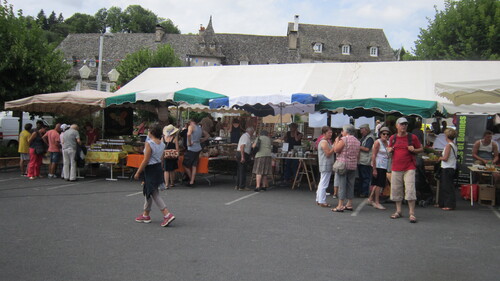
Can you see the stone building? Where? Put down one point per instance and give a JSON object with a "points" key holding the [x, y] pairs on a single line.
{"points": [[304, 43]]}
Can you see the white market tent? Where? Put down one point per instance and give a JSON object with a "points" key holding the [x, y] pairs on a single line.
{"points": [[410, 79]]}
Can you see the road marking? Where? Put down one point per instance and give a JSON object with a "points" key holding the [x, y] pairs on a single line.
{"points": [[66, 185], [495, 211], [12, 179], [358, 209], [241, 198], [137, 193]]}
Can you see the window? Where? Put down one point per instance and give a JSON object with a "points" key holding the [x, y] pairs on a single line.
{"points": [[212, 45], [244, 62], [346, 50], [202, 45], [374, 51], [205, 63], [318, 47]]}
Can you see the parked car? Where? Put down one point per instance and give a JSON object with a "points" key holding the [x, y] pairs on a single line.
{"points": [[9, 126]]}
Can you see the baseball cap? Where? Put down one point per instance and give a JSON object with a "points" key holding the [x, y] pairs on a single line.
{"points": [[402, 120]]}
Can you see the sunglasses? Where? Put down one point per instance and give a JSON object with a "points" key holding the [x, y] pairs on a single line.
{"points": [[385, 134]]}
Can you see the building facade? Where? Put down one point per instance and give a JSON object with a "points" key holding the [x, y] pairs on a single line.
{"points": [[304, 43]]}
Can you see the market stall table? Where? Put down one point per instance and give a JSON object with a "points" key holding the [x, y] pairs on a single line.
{"points": [[106, 157], [476, 169], [135, 160], [304, 168]]}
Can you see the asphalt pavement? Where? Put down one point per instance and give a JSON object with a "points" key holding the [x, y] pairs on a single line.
{"points": [[85, 230]]}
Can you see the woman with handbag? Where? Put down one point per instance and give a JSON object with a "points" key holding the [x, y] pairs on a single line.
{"points": [[37, 149], [347, 149], [380, 162], [447, 200], [263, 165], [171, 154], [153, 176], [325, 162]]}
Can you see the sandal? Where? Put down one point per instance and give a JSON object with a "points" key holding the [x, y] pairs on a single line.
{"points": [[324, 205], [413, 219], [337, 210], [396, 215], [446, 209], [378, 206], [348, 208]]}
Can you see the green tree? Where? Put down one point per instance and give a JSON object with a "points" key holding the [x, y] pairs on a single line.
{"points": [[139, 20], [169, 26], [114, 19], [41, 19], [135, 63], [28, 63], [465, 30], [101, 18], [83, 23]]}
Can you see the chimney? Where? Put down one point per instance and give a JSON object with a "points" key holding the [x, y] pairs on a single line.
{"points": [[202, 30], [293, 34], [159, 32]]}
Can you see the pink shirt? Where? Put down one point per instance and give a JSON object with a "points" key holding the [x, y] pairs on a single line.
{"points": [[54, 141], [349, 154]]}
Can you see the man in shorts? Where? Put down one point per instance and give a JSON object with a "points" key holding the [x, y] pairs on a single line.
{"points": [[53, 140], [195, 136], [24, 148], [404, 148]]}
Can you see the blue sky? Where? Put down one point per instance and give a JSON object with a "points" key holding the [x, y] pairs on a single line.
{"points": [[401, 20]]}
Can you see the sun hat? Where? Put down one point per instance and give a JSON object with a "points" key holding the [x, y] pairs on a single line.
{"points": [[365, 126], [384, 129], [64, 127], [169, 130], [402, 120]]}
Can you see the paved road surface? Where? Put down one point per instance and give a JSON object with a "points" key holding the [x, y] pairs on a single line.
{"points": [[56, 230]]}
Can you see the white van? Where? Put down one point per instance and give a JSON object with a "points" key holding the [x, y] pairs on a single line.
{"points": [[9, 126]]}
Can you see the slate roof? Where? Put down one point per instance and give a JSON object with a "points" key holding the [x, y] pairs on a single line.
{"points": [[231, 48], [333, 37]]}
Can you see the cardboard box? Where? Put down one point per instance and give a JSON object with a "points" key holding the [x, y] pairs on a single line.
{"points": [[487, 194]]}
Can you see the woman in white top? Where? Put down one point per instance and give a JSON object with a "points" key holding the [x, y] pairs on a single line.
{"points": [[380, 161], [448, 165], [325, 160]]}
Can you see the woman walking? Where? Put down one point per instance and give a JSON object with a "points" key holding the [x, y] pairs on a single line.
{"points": [[263, 165], [171, 154], [325, 158], [447, 200], [153, 176], [347, 149], [380, 161]]}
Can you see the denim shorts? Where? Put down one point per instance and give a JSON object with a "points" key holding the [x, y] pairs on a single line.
{"points": [[55, 157]]}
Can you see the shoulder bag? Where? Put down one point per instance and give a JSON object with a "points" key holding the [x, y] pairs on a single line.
{"points": [[339, 168]]}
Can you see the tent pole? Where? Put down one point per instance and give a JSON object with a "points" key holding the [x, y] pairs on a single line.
{"points": [[103, 125]]}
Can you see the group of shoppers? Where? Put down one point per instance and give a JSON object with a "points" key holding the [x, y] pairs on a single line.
{"points": [[373, 158], [61, 142]]}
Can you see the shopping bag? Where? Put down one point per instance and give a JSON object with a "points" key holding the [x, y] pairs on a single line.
{"points": [[465, 191]]}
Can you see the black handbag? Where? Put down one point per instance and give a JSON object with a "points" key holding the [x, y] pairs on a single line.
{"points": [[257, 147]]}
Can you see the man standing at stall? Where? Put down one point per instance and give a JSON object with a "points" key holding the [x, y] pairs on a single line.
{"points": [[70, 141], [364, 164], [53, 140], [404, 148], [243, 158], [195, 136], [293, 138]]}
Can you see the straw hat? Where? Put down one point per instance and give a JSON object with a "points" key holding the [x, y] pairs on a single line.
{"points": [[169, 130]]}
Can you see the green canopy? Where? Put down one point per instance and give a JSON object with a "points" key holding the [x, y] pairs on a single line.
{"points": [[121, 99], [195, 96], [403, 106]]}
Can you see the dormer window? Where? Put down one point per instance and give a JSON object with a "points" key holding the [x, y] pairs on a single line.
{"points": [[212, 45], [244, 62], [346, 49], [374, 51], [318, 47], [202, 45]]}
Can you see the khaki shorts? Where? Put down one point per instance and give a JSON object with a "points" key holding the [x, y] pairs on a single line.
{"points": [[403, 183]]}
